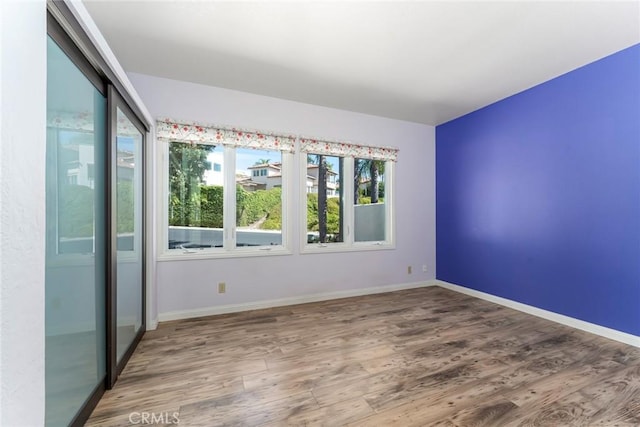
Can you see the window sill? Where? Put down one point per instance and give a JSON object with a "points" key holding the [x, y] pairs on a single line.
{"points": [[181, 255], [315, 248]]}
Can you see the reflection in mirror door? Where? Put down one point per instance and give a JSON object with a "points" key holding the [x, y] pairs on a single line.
{"points": [[129, 230], [75, 346]]}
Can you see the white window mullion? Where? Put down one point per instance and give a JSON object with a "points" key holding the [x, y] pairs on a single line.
{"points": [[229, 195], [287, 219], [389, 193], [162, 203], [302, 179], [348, 194]]}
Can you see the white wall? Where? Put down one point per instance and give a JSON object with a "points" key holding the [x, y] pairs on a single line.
{"points": [[185, 286], [22, 211]]}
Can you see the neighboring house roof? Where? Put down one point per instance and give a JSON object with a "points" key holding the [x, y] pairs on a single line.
{"points": [[126, 159], [329, 171], [277, 166], [248, 182]]}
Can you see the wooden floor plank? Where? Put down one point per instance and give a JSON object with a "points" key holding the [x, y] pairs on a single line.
{"points": [[425, 356]]}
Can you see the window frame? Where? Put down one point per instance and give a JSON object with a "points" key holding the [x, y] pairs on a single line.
{"points": [[293, 149], [229, 249], [347, 188]]}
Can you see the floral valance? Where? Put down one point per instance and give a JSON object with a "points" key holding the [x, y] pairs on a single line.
{"points": [[333, 148], [84, 121], [200, 133]]}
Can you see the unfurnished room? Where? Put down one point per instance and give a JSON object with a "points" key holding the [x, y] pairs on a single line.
{"points": [[319, 213]]}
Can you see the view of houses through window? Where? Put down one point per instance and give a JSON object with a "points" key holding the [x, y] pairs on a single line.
{"points": [[258, 197], [197, 196]]}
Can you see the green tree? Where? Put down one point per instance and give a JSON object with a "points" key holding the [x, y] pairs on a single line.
{"points": [[371, 169], [318, 159], [187, 165], [333, 215], [375, 168], [322, 198]]}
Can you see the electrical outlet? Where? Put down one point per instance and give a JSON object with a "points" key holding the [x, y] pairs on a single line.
{"points": [[424, 268], [222, 287], [409, 270]]}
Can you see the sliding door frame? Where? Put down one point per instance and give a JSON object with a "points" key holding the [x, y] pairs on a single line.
{"points": [[115, 102], [66, 31]]}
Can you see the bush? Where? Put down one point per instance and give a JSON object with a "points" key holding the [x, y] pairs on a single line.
{"points": [[211, 206], [274, 219], [366, 200], [206, 208], [333, 213], [252, 206]]}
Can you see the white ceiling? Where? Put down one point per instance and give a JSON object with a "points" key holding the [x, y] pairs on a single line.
{"points": [[425, 61]]}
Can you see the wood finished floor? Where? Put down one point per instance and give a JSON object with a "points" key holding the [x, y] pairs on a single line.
{"points": [[420, 357]]}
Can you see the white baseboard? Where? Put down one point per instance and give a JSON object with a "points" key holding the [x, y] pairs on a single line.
{"points": [[233, 308], [545, 314], [613, 334]]}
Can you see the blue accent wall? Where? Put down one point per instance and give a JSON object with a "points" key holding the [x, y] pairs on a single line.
{"points": [[538, 195]]}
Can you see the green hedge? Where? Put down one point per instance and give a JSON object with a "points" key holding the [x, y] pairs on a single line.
{"points": [[366, 200], [125, 206], [205, 208], [211, 206], [252, 206], [75, 205]]}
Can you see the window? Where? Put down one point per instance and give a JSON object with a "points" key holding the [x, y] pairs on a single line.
{"points": [[196, 197], [228, 193], [227, 190], [347, 190], [324, 201], [369, 209], [258, 203]]}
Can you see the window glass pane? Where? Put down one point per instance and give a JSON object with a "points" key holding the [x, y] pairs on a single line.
{"points": [[369, 195], [325, 204], [258, 197], [195, 196]]}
